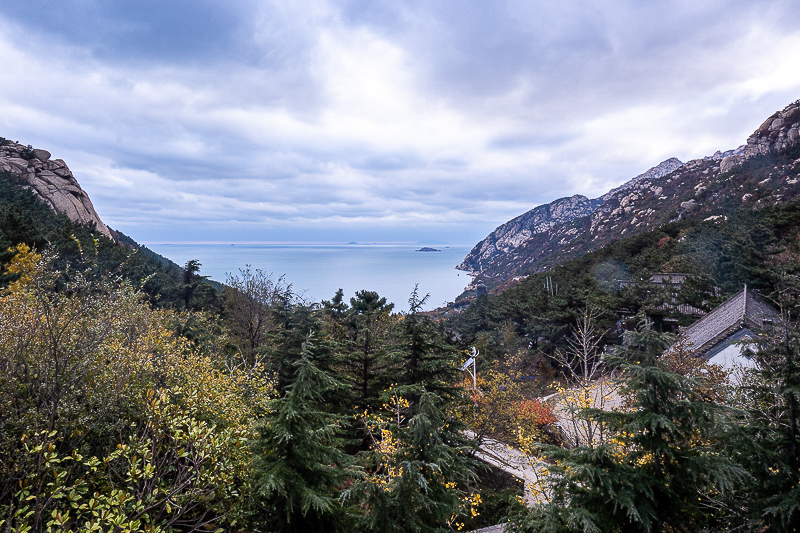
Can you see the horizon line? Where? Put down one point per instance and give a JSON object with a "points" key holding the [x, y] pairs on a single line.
{"points": [[310, 243]]}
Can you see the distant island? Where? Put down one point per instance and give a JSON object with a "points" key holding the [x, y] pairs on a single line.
{"points": [[427, 249]]}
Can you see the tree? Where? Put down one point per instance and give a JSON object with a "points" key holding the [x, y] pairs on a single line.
{"points": [[299, 467], [190, 280], [423, 358], [659, 470], [108, 418], [419, 469], [499, 408], [251, 299], [588, 383], [366, 360], [766, 438]]}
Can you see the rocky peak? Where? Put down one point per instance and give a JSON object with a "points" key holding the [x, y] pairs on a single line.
{"points": [[662, 169], [51, 181], [777, 133], [502, 243], [720, 155]]}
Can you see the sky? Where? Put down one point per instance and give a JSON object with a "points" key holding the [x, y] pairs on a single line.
{"points": [[416, 121]]}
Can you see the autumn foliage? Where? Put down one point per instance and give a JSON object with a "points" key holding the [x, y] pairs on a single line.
{"points": [[532, 412]]}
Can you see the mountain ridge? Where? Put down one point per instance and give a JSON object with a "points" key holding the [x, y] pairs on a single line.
{"points": [[668, 192], [511, 235]]}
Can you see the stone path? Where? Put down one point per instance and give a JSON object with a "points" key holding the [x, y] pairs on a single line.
{"points": [[499, 528], [517, 464], [514, 462]]}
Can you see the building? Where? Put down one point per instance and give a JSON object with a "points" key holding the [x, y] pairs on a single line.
{"points": [[666, 286], [718, 335]]}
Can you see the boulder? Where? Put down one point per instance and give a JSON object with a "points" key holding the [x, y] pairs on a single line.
{"points": [[730, 162], [42, 155]]}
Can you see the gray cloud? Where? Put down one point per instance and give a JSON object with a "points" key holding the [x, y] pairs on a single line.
{"points": [[359, 120]]}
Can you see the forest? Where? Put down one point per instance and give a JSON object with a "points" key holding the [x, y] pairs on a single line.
{"points": [[137, 396]]}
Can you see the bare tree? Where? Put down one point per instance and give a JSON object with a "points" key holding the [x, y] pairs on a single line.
{"points": [[588, 386], [251, 300], [583, 361]]}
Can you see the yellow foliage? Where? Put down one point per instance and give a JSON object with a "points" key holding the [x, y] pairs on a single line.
{"points": [[234, 398], [682, 359], [88, 363], [23, 264], [572, 403]]}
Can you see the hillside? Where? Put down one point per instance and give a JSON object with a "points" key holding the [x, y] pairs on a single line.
{"points": [[759, 248], [42, 205], [51, 181], [765, 171]]}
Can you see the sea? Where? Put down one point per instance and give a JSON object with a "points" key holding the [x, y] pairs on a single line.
{"points": [[317, 271]]}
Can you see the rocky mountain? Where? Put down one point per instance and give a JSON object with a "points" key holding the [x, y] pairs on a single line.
{"points": [[764, 171], [498, 248], [51, 181], [506, 238]]}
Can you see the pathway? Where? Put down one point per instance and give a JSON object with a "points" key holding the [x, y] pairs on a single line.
{"points": [[516, 463]]}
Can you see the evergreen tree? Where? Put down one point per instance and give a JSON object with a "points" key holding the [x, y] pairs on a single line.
{"points": [[421, 468], [299, 467], [190, 281], [292, 324], [766, 438], [336, 306], [421, 355], [660, 469], [366, 361]]}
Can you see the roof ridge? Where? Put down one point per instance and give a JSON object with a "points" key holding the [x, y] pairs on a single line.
{"points": [[744, 307]]}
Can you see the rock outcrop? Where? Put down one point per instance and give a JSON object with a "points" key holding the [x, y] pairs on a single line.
{"points": [[51, 181], [702, 189], [662, 169], [777, 133], [506, 238]]}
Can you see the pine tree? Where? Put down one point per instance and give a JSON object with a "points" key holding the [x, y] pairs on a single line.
{"points": [[190, 281], [421, 468], [658, 471], [292, 323], [366, 361], [766, 438], [421, 355], [299, 466]]}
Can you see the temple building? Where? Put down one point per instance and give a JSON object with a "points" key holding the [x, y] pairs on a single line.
{"points": [[718, 335]]}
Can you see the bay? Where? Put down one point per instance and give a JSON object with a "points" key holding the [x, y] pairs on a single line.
{"points": [[316, 271]]}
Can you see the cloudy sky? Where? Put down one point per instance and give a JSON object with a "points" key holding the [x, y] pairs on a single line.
{"points": [[387, 120]]}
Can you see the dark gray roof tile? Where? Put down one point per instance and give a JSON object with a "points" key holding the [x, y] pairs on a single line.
{"points": [[744, 309]]}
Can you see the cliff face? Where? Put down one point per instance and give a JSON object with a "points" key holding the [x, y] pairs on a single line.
{"points": [[700, 189], [778, 133], [508, 237], [51, 181]]}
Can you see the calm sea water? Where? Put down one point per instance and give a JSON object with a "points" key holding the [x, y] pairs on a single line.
{"points": [[318, 270]]}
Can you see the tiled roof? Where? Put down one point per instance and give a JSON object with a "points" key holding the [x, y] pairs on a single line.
{"points": [[662, 278], [684, 309], [670, 278], [745, 309], [670, 281]]}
